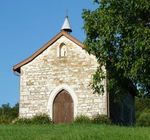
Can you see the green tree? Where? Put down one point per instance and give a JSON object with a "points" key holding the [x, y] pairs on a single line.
{"points": [[8, 113], [118, 34]]}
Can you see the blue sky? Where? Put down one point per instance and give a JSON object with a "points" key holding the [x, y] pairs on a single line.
{"points": [[26, 25]]}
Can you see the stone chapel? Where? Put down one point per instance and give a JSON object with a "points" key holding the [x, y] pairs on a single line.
{"points": [[56, 79]]}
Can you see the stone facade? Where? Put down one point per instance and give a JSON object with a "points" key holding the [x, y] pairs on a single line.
{"points": [[58, 68]]}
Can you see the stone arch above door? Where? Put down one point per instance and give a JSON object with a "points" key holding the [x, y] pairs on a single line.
{"points": [[54, 94]]}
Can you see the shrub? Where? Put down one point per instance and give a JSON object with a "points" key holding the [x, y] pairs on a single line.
{"points": [[141, 105], [101, 119], [41, 119], [82, 119], [38, 119], [8, 113], [22, 121], [5, 119], [144, 118]]}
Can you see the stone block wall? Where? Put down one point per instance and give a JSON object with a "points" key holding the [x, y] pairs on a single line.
{"points": [[45, 73]]}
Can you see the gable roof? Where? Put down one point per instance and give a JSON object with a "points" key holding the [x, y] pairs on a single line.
{"points": [[17, 67]]}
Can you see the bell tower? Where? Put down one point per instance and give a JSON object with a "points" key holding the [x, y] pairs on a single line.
{"points": [[66, 25]]}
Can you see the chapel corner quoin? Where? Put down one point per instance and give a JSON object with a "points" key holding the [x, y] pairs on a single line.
{"points": [[55, 80]]}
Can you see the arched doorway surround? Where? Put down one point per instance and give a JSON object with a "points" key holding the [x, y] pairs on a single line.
{"points": [[54, 94]]}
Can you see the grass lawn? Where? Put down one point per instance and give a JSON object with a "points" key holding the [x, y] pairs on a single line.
{"points": [[73, 132]]}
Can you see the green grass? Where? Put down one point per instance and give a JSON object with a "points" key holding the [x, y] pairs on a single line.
{"points": [[73, 132]]}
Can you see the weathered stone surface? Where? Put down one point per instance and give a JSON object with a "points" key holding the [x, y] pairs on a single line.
{"points": [[45, 73]]}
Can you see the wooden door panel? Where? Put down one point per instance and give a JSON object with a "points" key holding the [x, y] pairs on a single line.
{"points": [[63, 108], [69, 112]]}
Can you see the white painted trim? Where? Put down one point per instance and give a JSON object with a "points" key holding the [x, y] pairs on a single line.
{"points": [[53, 95]]}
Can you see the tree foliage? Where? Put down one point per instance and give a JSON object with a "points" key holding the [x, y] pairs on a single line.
{"points": [[118, 34], [8, 113]]}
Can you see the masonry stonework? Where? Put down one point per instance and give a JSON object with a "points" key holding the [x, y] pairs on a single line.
{"points": [[41, 76]]}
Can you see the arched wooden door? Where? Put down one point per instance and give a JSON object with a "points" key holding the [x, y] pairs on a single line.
{"points": [[63, 108]]}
